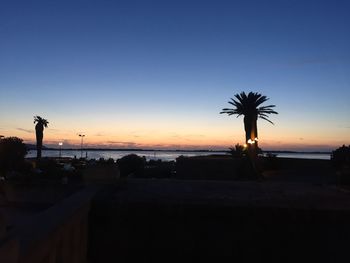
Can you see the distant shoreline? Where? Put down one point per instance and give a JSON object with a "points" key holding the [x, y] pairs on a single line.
{"points": [[173, 150]]}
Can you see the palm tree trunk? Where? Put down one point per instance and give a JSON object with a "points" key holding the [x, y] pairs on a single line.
{"points": [[247, 128], [39, 141], [251, 133], [39, 145], [254, 134]]}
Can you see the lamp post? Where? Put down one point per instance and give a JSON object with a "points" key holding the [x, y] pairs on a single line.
{"points": [[60, 144], [81, 146]]}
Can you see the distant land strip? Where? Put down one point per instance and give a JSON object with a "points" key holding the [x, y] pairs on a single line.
{"points": [[33, 147]]}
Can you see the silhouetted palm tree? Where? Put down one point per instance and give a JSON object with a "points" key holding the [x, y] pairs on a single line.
{"points": [[248, 106], [39, 131]]}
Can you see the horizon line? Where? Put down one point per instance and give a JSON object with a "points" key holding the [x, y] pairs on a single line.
{"points": [[172, 150]]}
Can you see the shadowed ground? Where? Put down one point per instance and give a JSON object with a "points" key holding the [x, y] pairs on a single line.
{"points": [[301, 170], [172, 220]]}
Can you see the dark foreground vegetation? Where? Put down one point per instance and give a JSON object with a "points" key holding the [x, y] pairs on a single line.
{"points": [[197, 208], [237, 165]]}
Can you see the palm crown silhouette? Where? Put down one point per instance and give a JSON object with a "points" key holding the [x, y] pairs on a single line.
{"points": [[41, 123], [248, 106]]}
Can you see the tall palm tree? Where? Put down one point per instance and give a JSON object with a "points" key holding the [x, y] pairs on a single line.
{"points": [[248, 106], [41, 123]]}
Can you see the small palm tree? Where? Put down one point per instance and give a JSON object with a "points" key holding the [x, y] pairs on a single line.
{"points": [[248, 106], [237, 151], [41, 123]]}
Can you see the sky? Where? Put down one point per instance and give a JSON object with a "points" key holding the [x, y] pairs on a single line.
{"points": [[156, 74]]}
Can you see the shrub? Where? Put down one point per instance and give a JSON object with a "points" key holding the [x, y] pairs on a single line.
{"points": [[159, 169], [341, 157], [110, 161], [238, 150], [131, 164], [12, 153], [103, 161]]}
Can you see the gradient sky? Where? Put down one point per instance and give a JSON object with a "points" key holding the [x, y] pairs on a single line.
{"points": [[156, 74]]}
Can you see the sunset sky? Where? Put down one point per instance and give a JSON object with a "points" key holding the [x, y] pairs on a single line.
{"points": [[156, 74]]}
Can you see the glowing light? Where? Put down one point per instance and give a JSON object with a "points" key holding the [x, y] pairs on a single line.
{"points": [[60, 153], [250, 141], [245, 145]]}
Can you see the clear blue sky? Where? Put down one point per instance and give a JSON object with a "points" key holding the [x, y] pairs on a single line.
{"points": [[157, 73]]}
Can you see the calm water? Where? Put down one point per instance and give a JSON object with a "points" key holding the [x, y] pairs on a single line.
{"points": [[163, 155]]}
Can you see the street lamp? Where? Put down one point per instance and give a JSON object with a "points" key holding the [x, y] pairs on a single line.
{"points": [[82, 141], [60, 144]]}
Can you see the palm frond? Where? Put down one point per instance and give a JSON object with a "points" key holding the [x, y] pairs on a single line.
{"points": [[248, 104], [266, 119], [40, 121]]}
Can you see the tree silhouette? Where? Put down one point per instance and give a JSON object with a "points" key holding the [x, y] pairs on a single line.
{"points": [[12, 153], [41, 123], [248, 106]]}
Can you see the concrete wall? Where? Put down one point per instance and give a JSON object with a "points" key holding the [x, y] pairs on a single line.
{"points": [[35, 193], [59, 234], [195, 221], [210, 168]]}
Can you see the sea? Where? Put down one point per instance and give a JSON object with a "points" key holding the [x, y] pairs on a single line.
{"points": [[158, 155]]}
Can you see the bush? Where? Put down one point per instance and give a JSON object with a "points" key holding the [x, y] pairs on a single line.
{"points": [[50, 171], [341, 161], [103, 161], [110, 161], [238, 150], [159, 169], [12, 153], [131, 164], [341, 157]]}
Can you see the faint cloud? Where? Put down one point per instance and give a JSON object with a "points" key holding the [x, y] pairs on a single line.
{"points": [[123, 143], [196, 135], [188, 137], [158, 145], [55, 130], [344, 127], [25, 130]]}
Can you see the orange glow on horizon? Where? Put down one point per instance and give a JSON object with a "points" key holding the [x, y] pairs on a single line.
{"points": [[218, 134], [171, 142]]}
